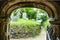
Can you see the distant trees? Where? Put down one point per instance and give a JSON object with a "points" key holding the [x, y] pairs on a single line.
{"points": [[31, 13], [28, 21]]}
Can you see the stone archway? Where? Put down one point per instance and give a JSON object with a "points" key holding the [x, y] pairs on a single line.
{"points": [[11, 5]]}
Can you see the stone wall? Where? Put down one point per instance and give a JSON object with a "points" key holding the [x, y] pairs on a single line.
{"points": [[9, 5]]}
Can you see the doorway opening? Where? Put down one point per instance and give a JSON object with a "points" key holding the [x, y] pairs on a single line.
{"points": [[29, 23]]}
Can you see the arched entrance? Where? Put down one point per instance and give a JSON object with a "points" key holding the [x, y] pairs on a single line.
{"points": [[30, 22], [11, 5]]}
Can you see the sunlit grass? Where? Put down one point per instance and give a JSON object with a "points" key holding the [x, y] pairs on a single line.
{"points": [[31, 24], [27, 26], [24, 22]]}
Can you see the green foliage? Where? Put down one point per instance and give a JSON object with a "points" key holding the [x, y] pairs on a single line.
{"points": [[31, 14], [14, 12], [23, 22], [46, 23], [28, 26]]}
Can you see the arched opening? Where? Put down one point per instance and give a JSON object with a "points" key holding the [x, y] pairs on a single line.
{"points": [[6, 12], [28, 23]]}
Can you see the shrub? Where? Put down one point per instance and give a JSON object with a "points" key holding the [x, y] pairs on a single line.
{"points": [[29, 27]]}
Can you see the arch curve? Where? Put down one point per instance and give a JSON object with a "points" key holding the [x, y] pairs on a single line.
{"points": [[47, 6], [8, 6]]}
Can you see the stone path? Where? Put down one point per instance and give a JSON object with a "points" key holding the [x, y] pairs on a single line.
{"points": [[42, 36]]}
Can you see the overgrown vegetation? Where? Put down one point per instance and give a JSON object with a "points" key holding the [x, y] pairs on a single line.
{"points": [[28, 25], [22, 22]]}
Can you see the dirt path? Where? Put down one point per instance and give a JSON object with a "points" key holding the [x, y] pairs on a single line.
{"points": [[42, 36]]}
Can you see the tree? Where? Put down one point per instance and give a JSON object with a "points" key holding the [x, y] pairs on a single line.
{"points": [[31, 14]]}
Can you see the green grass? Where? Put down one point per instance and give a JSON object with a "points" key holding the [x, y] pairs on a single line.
{"points": [[29, 26], [24, 23]]}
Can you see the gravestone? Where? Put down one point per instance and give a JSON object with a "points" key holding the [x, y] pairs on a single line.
{"points": [[24, 15], [16, 17], [38, 16]]}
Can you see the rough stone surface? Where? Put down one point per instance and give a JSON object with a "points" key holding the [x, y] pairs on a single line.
{"points": [[8, 5]]}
